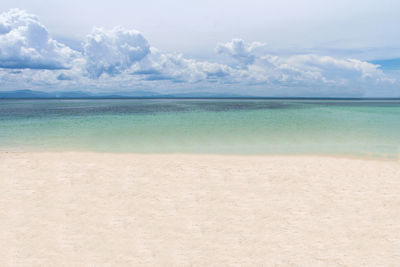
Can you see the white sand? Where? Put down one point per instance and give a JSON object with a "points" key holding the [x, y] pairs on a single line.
{"points": [[93, 209]]}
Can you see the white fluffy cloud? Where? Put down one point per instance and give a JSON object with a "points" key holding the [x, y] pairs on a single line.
{"points": [[25, 44], [114, 51], [121, 59], [176, 68], [300, 70], [240, 50]]}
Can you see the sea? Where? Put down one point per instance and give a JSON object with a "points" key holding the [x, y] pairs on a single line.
{"points": [[360, 128]]}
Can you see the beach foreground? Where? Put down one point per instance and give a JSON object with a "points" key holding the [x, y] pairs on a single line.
{"points": [[103, 209]]}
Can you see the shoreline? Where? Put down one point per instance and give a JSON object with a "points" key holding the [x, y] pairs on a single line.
{"points": [[86, 208], [349, 156]]}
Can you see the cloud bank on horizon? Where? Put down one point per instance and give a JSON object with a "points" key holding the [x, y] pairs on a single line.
{"points": [[122, 59]]}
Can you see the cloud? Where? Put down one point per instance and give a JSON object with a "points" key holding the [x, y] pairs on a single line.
{"points": [[177, 68], [63, 77], [25, 44], [256, 66], [113, 52], [238, 49], [122, 59], [323, 70]]}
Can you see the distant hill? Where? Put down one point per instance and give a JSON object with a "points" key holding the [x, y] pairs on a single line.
{"points": [[38, 94], [24, 94], [29, 94]]}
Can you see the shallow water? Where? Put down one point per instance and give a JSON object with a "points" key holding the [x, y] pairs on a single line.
{"points": [[338, 127]]}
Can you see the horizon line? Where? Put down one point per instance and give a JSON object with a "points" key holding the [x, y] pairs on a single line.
{"points": [[194, 97]]}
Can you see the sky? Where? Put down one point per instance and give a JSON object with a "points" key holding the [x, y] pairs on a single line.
{"points": [[261, 48]]}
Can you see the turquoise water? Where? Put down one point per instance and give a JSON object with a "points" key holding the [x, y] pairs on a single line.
{"points": [[359, 128]]}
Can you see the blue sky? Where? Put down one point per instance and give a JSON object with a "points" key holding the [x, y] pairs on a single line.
{"points": [[268, 48]]}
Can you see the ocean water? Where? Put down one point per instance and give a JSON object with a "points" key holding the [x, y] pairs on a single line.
{"points": [[261, 126]]}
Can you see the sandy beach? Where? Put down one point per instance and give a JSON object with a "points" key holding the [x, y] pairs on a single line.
{"points": [[103, 209]]}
